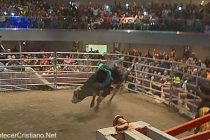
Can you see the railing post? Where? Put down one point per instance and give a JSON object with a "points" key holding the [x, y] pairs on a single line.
{"points": [[171, 86], [197, 76], [55, 69], [136, 81]]}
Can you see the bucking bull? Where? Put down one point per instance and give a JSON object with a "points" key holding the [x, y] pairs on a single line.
{"points": [[108, 77]]}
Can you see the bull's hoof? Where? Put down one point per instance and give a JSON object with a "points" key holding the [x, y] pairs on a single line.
{"points": [[91, 105]]}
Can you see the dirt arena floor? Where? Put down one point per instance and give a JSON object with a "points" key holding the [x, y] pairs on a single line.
{"points": [[52, 111]]}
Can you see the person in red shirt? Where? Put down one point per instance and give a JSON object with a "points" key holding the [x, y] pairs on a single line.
{"points": [[107, 22]]}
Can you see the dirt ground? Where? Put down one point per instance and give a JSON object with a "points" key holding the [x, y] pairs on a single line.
{"points": [[52, 111]]}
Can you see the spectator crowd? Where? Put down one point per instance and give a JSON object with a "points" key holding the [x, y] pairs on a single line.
{"points": [[158, 69], [147, 16]]}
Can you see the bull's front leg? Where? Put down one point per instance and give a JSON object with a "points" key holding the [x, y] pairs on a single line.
{"points": [[99, 100], [93, 101]]}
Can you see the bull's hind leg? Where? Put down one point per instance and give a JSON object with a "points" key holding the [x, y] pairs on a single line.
{"points": [[110, 100], [92, 102], [101, 96], [114, 93]]}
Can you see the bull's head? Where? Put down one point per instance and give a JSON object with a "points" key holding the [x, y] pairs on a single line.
{"points": [[77, 96]]}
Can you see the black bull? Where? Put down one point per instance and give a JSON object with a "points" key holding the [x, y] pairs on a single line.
{"points": [[90, 88]]}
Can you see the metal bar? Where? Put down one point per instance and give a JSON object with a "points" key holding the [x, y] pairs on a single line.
{"points": [[10, 53], [27, 85], [23, 59], [23, 66], [144, 87], [147, 95], [143, 79], [199, 136], [86, 53], [76, 72], [84, 59], [28, 78], [79, 65], [58, 77], [55, 69], [149, 73], [35, 59], [4, 90], [152, 66], [188, 125], [76, 53]]}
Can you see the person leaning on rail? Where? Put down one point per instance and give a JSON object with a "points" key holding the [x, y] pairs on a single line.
{"points": [[204, 94]]}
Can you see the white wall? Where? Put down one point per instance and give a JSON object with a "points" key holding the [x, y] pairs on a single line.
{"points": [[201, 52], [51, 46]]}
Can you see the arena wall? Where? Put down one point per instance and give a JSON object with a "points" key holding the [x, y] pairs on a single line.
{"points": [[201, 52]]}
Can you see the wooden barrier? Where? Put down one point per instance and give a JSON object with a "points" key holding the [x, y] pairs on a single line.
{"points": [[144, 131], [136, 131]]}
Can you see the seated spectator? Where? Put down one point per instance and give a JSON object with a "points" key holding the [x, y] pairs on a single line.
{"points": [[176, 80], [67, 60]]}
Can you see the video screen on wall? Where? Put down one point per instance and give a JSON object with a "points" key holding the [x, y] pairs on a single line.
{"points": [[93, 47]]}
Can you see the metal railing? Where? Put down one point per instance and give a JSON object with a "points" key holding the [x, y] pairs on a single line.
{"points": [[67, 22], [35, 70], [148, 78], [55, 70]]}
